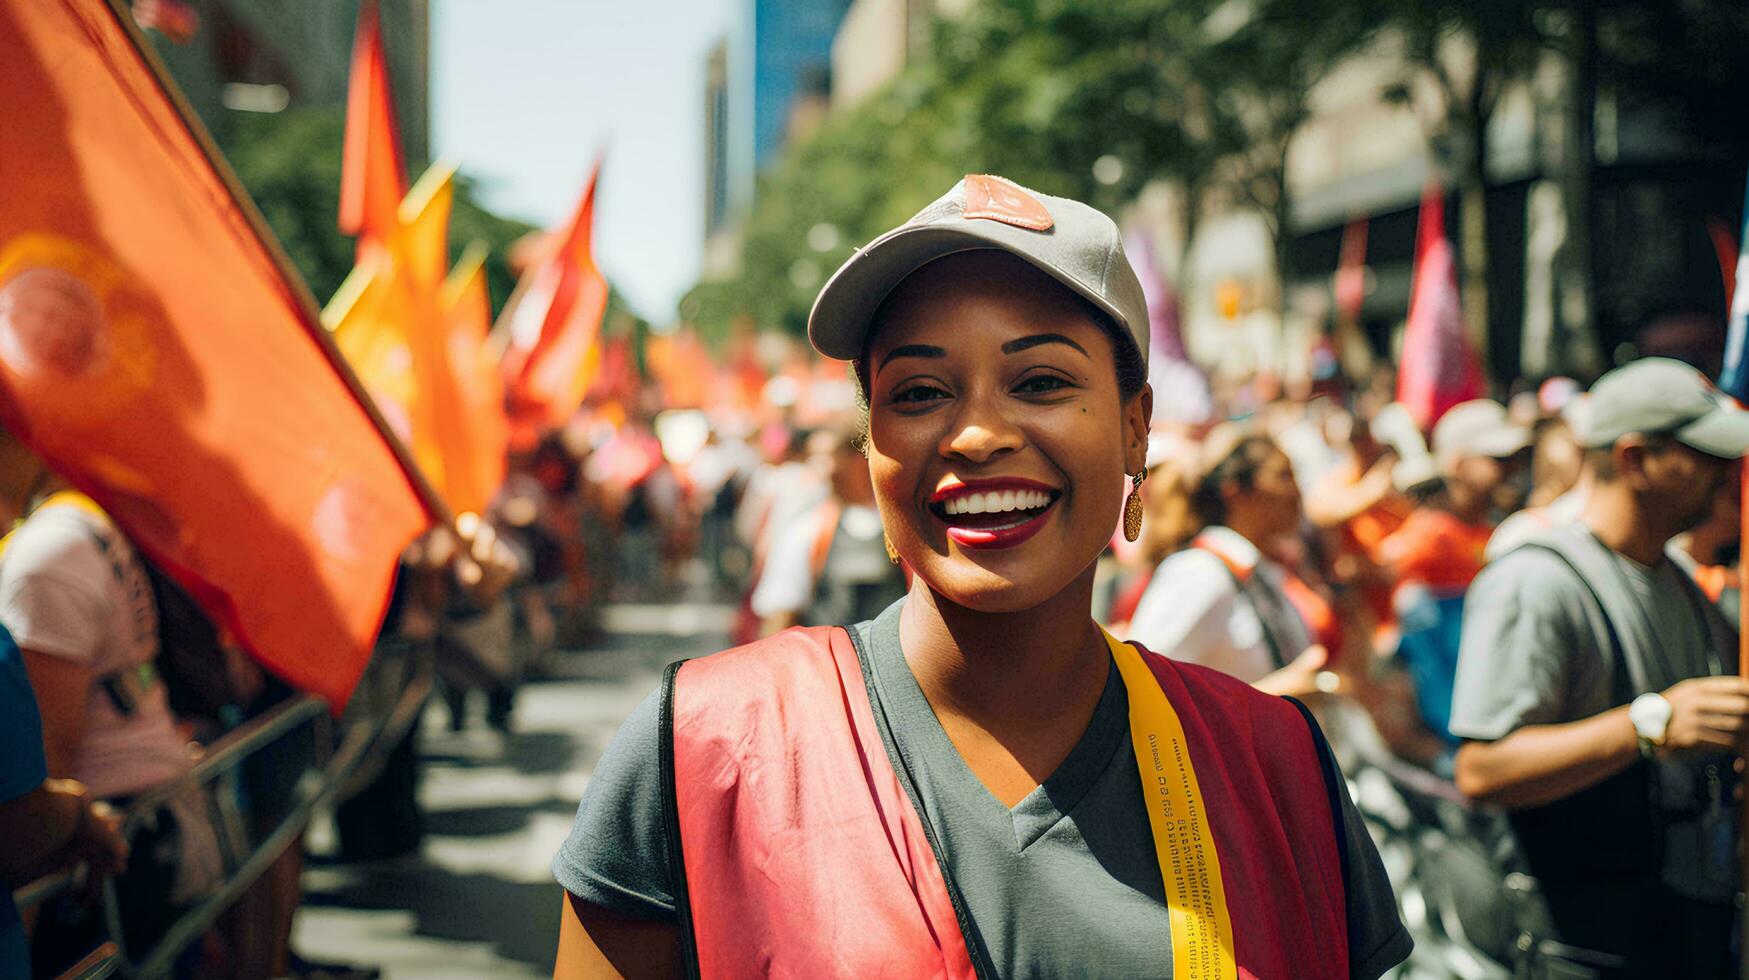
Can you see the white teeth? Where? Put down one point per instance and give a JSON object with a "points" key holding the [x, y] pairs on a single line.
{"points": [[996, 502]]}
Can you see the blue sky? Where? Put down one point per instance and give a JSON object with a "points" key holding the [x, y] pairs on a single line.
{"points": [[524, 93]]}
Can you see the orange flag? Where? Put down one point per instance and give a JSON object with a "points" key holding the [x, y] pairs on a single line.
{"points": [[387, 320], [553, 321], [154, 351], [372, 176], [475, 453]]}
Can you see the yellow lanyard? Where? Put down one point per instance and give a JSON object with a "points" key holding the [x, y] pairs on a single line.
{"points": [[1202, 928]]}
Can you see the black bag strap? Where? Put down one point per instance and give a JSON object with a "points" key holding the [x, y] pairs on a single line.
{"points": [[671, 824], [1623, 686], [1245, 589]]}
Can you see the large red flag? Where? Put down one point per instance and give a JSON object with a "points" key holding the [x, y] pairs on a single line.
{"points": [[553, 320], [372, 178], [1438, 368], [154, 351]]}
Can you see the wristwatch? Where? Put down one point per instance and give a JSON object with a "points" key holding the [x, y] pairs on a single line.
{"points": [[1650, 714]]}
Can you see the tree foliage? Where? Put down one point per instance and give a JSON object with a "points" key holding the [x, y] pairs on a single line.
{"points": [[290, 164], [1083, 100]]}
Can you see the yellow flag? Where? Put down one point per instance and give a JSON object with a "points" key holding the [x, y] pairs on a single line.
{"points": [[474, 452], [389, 321]]}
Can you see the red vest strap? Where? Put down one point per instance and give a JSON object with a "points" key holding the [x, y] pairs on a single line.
{"points": [[805, 857]]}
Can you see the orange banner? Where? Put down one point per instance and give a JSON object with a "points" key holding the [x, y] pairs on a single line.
{"points": [[372, 176], [153, 350], [554, 320], [475, 452]]}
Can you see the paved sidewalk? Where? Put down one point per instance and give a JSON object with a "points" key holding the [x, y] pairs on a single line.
{"points": [[479, 901]]}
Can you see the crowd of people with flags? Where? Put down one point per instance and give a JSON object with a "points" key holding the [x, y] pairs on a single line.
{"points": [[227, 502]]}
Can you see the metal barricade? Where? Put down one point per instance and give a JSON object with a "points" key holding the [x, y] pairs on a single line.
{"points": [[338, 774]]}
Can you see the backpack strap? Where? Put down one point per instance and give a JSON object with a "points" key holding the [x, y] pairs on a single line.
{"points": [[671, 823], [1623, 687], [1242, 577]]}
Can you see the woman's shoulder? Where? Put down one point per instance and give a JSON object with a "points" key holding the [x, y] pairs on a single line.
{"points": [[754, 669], [1217, 689]]}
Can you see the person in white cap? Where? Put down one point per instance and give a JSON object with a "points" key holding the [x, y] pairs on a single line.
{"points": [[979, 781], [1477, 450], [1596, 696]]}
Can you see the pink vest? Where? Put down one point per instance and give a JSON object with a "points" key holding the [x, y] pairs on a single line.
{"points": [[805, 857]]}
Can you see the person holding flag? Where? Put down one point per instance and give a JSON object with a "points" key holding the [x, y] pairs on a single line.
{"points": [[979, 781], [1595, 695]]}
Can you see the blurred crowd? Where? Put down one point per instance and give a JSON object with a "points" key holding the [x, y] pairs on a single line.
{"points": [[1311, 540]]}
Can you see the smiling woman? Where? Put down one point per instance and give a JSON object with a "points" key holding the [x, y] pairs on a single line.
{"points": [[979, 781]]}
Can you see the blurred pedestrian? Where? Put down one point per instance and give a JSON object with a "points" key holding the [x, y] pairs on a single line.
{"points": [[830, 567], [1221, 602], [1595, 692], [1478, 451], [1556, 499], [76, 598], [1357, 499], [47, 824]]}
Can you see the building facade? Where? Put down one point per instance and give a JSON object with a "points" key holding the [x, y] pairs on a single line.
{"points": [[270, 56]]}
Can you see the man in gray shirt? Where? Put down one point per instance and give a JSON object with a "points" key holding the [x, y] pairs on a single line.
{"points": [[1594, 692]]}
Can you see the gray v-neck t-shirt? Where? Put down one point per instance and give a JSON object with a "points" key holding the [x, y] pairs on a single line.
{"points": [[1064, 884]]}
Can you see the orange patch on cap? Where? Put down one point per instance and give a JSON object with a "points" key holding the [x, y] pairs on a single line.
{"points": [[999, 199]]}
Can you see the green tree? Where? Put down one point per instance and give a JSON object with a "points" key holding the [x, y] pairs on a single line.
{"points": [[1090, 101], [290, 164], [1679, 57]]}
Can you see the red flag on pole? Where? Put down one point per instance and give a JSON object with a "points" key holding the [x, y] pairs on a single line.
{"points": [[1350, 285], [155, 351], [1438, 368], [373, 177], [553, 321]]}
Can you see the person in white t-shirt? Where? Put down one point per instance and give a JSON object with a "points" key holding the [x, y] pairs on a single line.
{"points": [[829, 566], [78, 601], [1220, 602]]}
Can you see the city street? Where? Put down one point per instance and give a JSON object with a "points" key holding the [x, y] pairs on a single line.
{"points": [[480, 900]]}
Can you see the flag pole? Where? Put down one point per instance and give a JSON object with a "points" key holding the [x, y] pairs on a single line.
{"points": [[304, 302]]}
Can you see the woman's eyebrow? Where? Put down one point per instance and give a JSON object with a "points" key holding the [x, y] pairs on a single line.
{"points": [[911, 350], [1027, 343]]}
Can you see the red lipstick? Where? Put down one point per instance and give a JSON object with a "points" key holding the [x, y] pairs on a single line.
{"points": [[994, 524]]}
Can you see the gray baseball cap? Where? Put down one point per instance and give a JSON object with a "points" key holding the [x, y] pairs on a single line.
{"points": [[1661, 395], [1072, 243]]}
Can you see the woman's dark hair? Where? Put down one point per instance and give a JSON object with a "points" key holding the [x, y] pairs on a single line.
{"points": [[1238, 467], [1132, 373]]}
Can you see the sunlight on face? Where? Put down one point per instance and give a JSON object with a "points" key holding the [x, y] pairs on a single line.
{"points": [[999, 441]]}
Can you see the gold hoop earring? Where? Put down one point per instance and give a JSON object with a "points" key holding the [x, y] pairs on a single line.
{"points": [[892, 554], [1132, 509]]}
